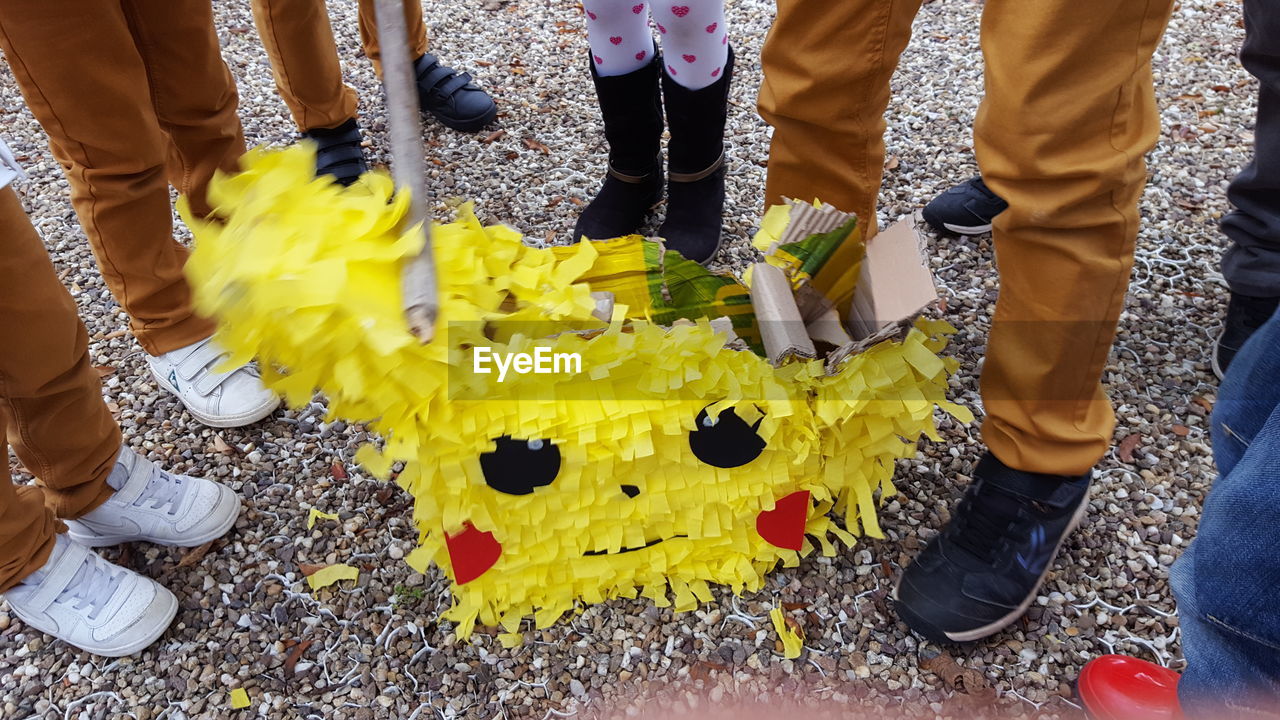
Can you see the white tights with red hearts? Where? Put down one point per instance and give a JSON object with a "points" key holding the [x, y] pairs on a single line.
{"points": [[695, 41]]}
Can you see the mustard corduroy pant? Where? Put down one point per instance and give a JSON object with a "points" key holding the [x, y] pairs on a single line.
{"points": [[51, 407], [1068, 114], [134, 97], [304, 57]]}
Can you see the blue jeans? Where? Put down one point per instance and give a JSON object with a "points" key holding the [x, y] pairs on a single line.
{"points": [[1227, 583]]}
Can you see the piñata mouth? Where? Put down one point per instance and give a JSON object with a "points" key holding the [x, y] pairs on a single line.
{"points": [[651, 543]]}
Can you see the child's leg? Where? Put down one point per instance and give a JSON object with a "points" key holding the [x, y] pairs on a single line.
{"points": [[695, 41], [618, 32]]}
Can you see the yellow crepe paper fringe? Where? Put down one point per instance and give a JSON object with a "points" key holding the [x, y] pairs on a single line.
{"points": [[792, 641], [305, 275]]}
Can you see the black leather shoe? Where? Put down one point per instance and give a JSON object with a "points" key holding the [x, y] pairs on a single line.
{"points": [[1245, 314], [452, 97], [966, 209], [983, 570], [338, 152]]}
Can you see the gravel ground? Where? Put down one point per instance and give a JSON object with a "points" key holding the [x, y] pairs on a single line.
{"points": [[376, 650]]}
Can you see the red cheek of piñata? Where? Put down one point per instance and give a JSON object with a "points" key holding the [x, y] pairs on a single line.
{"points": [[783, 526], [471, 552]]}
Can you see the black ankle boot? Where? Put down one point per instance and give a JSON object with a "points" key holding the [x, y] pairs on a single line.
{"points": [[338, 152], [695, 157], [632, 111]]}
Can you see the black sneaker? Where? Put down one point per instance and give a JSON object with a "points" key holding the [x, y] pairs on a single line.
{"points": [[981, 572], [966, 209], [452, 97], [338, 152], [1245, 314]]}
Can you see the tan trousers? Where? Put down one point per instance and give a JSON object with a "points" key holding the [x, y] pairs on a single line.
{"points": [[304, 57], [1068, 113], [51, 408], [134, 97]]}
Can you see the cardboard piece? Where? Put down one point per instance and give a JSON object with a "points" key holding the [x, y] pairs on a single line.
{"points": [[895, 283], [781, 327]]}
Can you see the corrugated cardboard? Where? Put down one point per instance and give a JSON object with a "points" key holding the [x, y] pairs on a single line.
{"points": [[895, 282]]}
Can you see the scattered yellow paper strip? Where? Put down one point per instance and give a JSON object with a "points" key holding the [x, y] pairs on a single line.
{"points": [[239, 699], [326, 576], [792, 643], [317, 515]]}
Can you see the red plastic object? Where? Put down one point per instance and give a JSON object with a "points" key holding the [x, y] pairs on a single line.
{"points": [[783, 526], [472, 552], [1117, 687]]}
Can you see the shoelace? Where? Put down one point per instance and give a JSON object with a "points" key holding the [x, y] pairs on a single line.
{"points": [[163, 489], [93, 585], [985, 524]]}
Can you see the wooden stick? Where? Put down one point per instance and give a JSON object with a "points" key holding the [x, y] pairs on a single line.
{"points": [[409, 167]]}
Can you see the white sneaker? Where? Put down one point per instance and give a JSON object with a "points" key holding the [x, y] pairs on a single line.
{"points": [[79, 597], [217, 399], [153, 505]]}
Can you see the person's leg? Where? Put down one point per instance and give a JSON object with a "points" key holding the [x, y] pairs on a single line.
{"points": [[50, 395], [1227, 583], [304, 61], [1251, 264], [695, 40], [698, 69], [103, 128], [369, 31], [826, 87], [618, 35], [625, 70], [192, 91], [27, 527], [447, 95], [1068, 114]]}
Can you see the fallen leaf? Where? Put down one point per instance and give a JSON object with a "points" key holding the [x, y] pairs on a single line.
{"points": [[221, 446], [295, 653], [1127, 446], [789, 606], [193, 556], [1181, 430], [956, 676], [338, 471], [104, 371], [702, 670], [1203, 402], [495, 135], [309, 570], [893, 163], [885, 568], [383, 494], [535, 145]]}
